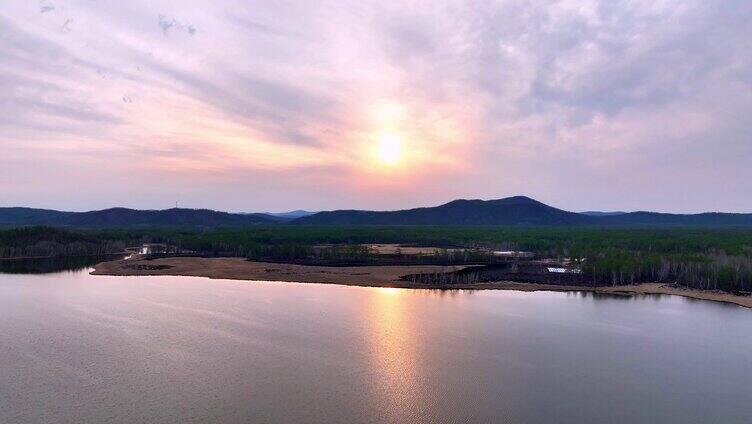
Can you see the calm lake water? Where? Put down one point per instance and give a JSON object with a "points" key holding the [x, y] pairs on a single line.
{"points": [[79, 348]]}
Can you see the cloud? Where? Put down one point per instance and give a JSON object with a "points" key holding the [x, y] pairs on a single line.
{"points": [[44, 8], [167, 24], [569, 101]]}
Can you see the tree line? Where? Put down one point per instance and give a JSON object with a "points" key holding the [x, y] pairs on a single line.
{"points": [[46, 242], [703, 258]]}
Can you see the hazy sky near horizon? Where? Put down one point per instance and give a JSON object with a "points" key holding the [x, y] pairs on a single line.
{"points": [[250, 106]]}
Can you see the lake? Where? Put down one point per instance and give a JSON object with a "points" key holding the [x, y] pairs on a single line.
{"points": [[78, 348]]}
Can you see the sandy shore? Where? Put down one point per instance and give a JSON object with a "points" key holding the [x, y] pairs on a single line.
{"points": [[241, 269], [371, 276]]}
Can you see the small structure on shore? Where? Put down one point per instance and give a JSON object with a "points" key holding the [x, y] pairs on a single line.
{"points": [[513, 254], [558, 270], [151, 248]]}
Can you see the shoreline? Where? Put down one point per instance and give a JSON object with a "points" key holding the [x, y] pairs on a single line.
{"points": [[23, 258], [371, 276]]}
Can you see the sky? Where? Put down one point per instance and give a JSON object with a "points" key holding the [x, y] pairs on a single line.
{"points": [[319, 105]]}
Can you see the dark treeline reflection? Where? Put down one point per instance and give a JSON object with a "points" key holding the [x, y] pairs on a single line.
{"points": [[50, 265], [615, 296]]}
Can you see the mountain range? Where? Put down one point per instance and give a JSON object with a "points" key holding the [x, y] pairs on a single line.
{"points": [[518, 210], [123, 217], [287, 216]]}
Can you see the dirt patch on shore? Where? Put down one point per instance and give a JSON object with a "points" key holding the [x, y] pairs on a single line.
{"points": [[241, 269], [373, 276]]}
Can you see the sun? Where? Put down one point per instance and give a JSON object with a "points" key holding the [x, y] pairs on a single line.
{"points": [[389, 148]]}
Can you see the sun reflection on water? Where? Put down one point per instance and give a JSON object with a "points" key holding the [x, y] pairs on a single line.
{"points": [[395, 353], [389, 290]]}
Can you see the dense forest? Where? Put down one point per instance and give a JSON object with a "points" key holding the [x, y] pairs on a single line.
{"points": [[47, 242], [700, 258]]}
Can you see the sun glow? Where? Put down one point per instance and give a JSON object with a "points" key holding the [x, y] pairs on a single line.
{"points": [[389, 149], [389, 290]]}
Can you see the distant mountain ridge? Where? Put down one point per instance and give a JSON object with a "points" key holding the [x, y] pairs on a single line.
{"points": [[706, 219], [124, 217], [286, 216], [600, 213], [517, 210]]}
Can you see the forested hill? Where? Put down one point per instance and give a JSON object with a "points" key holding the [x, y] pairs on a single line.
{"points": [[122, 217], [518, 210], [514, 211]]}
